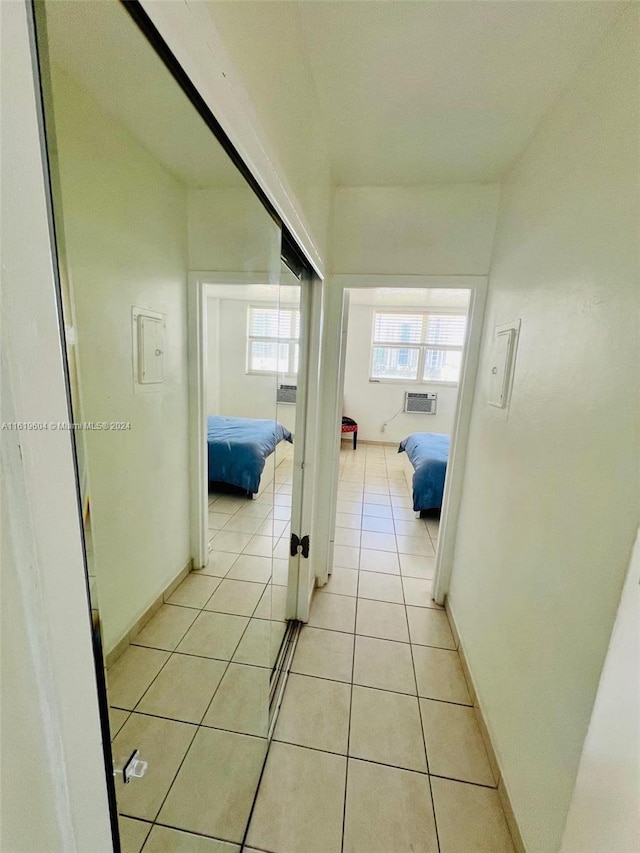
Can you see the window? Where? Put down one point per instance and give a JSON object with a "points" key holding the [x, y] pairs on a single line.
{"points": [[272, 340], [417, 346]]}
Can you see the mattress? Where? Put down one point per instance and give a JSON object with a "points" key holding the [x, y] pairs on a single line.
{"points": [[428, 452], [238, 448]]}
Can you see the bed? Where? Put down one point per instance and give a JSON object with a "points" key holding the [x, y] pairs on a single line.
{"points": [[427, 454], [238, 449]]}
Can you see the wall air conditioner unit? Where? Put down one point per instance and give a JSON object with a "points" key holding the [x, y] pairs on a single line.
{"points": [[420, 404], [286, 393]]}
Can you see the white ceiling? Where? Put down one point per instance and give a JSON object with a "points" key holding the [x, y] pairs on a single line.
{"points": [[410, 91], [430, 91]]}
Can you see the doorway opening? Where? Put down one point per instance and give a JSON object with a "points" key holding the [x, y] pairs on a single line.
{"points": [[404, 355]]}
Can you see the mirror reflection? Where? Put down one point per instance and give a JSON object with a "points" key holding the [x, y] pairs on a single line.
{"points": [[252, 346], [143, 196]]}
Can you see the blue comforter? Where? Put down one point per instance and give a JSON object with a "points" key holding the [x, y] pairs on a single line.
{"points": [[238, 448], [428, 452]]}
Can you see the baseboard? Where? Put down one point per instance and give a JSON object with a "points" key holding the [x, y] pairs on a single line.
{"points": [[512, 823], [348, 436], [119, 647]]}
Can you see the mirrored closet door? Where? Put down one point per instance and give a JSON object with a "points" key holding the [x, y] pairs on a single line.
{"points": [[144, 195]]}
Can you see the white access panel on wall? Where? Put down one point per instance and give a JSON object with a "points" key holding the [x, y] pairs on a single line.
{"points": [[503, 354], [148, 328]]}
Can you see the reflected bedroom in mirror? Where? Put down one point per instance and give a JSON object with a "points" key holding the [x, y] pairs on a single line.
{"points": [[143, 195]]}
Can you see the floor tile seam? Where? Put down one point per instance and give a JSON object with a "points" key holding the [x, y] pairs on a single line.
{"points": [[200, 725], [178, 829], [204, 657], [186, 752], [169, 653], [228, 662], [173, 604], [256, 793], [347, 756], [424, 738], [264, 584], [382, 600], [346, 769], [324, 678], [357, 633], [125, 711], [352, 757]]}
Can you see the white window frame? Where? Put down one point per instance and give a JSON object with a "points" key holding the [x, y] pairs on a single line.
{"points": [[291, 369], [422, 346]]}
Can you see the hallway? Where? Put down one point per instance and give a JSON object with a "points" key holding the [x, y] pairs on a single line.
{"points": [[376, 748], [377, 703]]}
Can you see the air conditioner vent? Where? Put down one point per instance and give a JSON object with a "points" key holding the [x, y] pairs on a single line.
{"points": [[286, 393], [420, 404]]}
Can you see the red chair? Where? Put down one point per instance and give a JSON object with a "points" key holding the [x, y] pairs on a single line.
{"points": [[349, 425]]}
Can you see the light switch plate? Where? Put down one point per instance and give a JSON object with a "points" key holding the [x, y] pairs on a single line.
{"points": [[503, 356]]}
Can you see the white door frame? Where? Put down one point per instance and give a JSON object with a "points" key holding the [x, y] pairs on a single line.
{"points": [[300, 572], [477, 285], [197, 371]]}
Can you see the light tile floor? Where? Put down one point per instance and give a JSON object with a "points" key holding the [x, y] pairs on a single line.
{"points": [[377, 749], [191, 692]]}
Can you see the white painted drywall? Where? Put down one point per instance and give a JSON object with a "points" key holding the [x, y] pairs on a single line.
{"points": [[265, 44], [230, 231], [126, 239], [28, 774], [604, 808], [192, 36], [212, 380], [240, 394], [429, 230], [373, 403], [551, 493], [53, 787]]}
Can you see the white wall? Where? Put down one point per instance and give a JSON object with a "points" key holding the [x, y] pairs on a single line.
{"points": [[551, 494], [125, 229], [53, 787], [212, 379], [230, 231], [604, 807], [240, 394], [429, 230], [373, 403], [27, 771], [265, 46]]}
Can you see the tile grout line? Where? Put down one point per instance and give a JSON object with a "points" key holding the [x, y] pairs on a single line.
{"points": [[404, 605], [424, 773], [199, 725], [353, 664], [424, 736]]}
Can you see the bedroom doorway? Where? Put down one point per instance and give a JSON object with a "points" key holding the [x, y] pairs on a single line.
{"points": [[251, 436], [405, 358], [143, 193]]}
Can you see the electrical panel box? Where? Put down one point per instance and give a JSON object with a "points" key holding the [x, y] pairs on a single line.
{"points": [[503, 355], [148, 329]]}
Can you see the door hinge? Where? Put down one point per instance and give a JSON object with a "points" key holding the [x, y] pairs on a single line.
{"points": [[299, 546]]}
